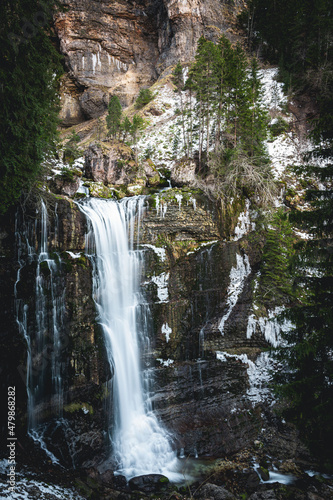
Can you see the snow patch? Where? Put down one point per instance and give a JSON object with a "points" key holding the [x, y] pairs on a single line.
{"points": [[167, 331], [244, 224], [269, 326], [259, 373], [160, 252], [238, 275], [166, 362], [74, 255], [162, 286], [273, 94]]}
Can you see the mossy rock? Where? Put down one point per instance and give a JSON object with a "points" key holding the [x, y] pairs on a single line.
{"points": [[79, 407], [154, 180]]}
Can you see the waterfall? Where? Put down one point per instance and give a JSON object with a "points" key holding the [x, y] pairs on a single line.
{"points": [[42, 325], [140, 444]]}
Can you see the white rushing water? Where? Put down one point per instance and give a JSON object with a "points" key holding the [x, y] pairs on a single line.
{"points": [[140, 444]]}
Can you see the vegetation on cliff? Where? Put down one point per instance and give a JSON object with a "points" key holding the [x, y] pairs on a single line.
{"points": [[230, 124], [29, 71], [298, 35]]}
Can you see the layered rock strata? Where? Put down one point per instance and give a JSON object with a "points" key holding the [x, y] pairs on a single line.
{"points": [[120, 47]]}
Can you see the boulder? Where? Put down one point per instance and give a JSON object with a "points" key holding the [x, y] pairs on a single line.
{"points": [[213, 492], [183, 174], [149, 483], [67, 186]]}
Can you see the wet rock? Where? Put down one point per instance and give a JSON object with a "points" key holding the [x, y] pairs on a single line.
{"points": [[119, 482], [289, 467], [250, 479], [94, 102], [213, 492], [151, 173], [263, 473], [149, 483], [264, 495]]}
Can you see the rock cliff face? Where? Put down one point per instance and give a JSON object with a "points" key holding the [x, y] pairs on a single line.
{"points": [[120, 47], [186, 278]]}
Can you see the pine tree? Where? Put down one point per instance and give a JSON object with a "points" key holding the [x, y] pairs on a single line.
{"points": [[125, 127], [29, 74], [308, 380], [223, 70], [237, 92], [275, 282], [113, 119], [203, 76], [299, 35], [254, 120]]}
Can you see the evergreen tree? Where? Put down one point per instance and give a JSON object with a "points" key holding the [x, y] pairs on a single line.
{"points": [[144, 98], [125, 127], [299, 35], [203, 76], [307, 381], [29, 71], [237, 92], [223, 69], [113, 119], [254, 119], [275, 282]]}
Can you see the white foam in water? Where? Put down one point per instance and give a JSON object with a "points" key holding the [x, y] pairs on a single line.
{"points": [[26, 489], [140, 444]]}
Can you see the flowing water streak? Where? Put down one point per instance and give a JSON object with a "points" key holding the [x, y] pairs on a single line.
{"points": [[43, 326], [140, 444], [49, 327]]}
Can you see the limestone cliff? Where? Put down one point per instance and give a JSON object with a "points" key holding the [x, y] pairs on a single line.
{"points": [[120, 47]]}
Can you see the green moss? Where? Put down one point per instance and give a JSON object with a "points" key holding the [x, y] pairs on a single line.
{"points": [[163, 480], [82, 261], [79, 196], [76, 407]]}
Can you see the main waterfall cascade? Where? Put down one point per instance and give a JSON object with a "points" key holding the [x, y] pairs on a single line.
{"points": [[140, 444]]}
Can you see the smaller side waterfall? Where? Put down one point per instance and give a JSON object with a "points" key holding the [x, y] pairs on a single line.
{"points": [[40, 319], [140, 444]]}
